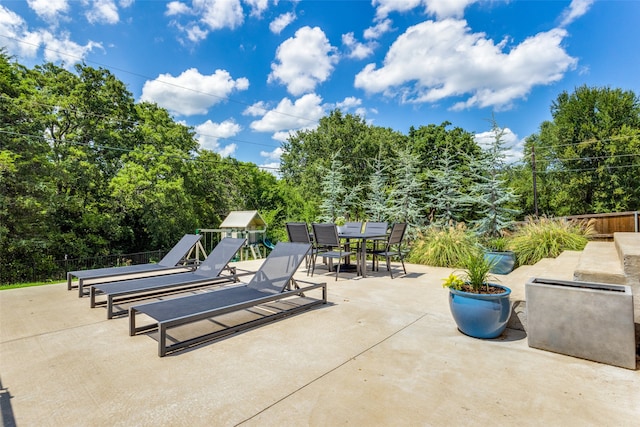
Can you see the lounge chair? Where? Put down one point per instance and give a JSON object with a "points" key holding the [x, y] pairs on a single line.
{"points": [[173, 262], [208, 272], [272, 283]]}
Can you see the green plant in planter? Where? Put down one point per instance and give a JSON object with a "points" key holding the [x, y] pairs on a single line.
{"points": [[474, 277], [479, 308]]}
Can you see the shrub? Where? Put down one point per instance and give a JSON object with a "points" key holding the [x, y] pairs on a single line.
{"points": [[548, 238], [443, 246]]}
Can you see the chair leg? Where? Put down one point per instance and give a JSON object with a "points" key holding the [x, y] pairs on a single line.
{"points": [[313, 265], [389, 266]]}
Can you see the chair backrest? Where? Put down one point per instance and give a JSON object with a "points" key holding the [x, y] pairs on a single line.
{"points": [[180, 250], [298, 232], [397, 233], [219, 257], [376, 227], [326, 234], [353, 226], [278, 268]]}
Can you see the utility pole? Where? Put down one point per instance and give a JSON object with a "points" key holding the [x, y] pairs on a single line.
{"points": [[535, 187]]}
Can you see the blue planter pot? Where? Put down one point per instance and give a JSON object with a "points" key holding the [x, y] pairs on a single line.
{"points": [[481, 315], [504, 261]]}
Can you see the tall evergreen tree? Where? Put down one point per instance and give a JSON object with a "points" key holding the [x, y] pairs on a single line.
{"points": [[376, 207], [407, 189], [491, 193], [449, 202], [333, 191]]}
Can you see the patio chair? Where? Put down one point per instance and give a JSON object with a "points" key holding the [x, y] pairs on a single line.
{"points": [[172, 262], [272, 293], [353, 226], [328, 246], [376, 227], [208, 272], [392, 247], [298, 232]]}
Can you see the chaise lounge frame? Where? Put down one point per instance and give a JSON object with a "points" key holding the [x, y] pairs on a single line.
{"points": [[172, 262], [209, 272], [263, 288]]}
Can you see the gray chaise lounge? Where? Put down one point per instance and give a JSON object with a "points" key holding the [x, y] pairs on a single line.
{"points": [[272, 283], [208, 272], [171, 263]]}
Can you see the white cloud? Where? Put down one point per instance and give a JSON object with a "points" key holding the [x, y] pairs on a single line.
{"points": [[257, 109], [302, 114], [49, 10], [272, 155], [19, 40], [195, 33], [576, 9], [206, 16], [218, 14], [435, 60], [349, 103], [440, 8], [281, 22], [61, 48], [191, 92], [304, 61], [103, 12], [209, 134], [447, 8], [356, 49], [257, 6], [514, 146], [381, 28], [22, 42], [177, 8], [385, 7]]}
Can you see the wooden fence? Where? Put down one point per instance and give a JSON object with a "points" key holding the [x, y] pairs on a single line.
{"points": [[608, 223]]}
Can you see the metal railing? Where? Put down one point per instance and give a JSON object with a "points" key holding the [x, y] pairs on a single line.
{"points": [[57, 269]]}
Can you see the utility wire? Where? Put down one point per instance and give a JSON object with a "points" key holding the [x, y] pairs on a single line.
{"points": [[133, 122], [129, 150], [107, 67]]}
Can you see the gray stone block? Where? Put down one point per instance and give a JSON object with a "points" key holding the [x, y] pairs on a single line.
{"points": [[592, 321]]}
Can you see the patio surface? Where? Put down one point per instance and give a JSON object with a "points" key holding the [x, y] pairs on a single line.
{"points": [[382, 352]]}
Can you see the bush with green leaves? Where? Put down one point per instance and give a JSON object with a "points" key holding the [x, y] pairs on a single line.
{"points": [[548, 237], [443, 246]]}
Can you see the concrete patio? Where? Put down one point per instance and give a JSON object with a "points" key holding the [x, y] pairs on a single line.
{"points": [[382, 352]]}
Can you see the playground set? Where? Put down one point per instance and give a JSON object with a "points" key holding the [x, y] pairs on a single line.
{"points": [[240, 224]]}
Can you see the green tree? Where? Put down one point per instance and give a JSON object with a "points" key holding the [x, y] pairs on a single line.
{"points": [[377, 202], [405, 195], [593, 144], [25, 185], [447, 198], [493, 197]]}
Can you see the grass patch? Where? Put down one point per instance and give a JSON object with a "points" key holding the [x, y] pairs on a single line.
{"points": [[25, 285]]}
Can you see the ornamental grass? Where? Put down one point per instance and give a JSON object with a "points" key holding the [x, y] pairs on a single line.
{"points": [[444, 246], [547, 238]]}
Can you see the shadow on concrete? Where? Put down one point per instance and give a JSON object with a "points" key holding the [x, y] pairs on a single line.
{"points": [[8, 419]]}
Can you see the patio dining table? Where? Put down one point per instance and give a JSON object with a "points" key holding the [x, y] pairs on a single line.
{"points": [[361, 254]]}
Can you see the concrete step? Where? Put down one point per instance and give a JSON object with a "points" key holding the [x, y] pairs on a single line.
{"points": [[628, 248], [599, 262]]}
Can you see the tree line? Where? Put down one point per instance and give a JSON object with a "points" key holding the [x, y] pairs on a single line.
{"points": [[85, 170]]}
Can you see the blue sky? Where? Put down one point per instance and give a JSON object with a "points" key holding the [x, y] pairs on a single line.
{"points": [[245, 73]]}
